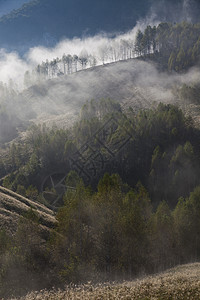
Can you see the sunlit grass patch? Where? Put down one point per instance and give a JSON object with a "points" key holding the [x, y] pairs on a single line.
{"points": [[182, 282]]}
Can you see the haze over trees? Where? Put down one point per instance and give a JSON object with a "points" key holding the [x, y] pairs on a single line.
{"points": [[124, 183], [135, 220]]}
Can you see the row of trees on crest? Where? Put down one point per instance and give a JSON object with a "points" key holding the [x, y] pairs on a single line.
{"points": [[175, 47]]}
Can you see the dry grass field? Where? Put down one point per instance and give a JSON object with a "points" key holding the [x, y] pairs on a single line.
{"points": [[13, 206], [182, 282]]}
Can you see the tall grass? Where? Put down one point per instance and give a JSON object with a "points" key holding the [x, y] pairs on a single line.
{"points": [[182, 282]]}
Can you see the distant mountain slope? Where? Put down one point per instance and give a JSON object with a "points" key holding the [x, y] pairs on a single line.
{"points": [[133, 83], [46, 21]]}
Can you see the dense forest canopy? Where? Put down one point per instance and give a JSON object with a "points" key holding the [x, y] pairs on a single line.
{"points": [[177, 47], [157, 147]]}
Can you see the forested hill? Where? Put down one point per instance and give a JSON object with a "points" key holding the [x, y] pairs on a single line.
{"points": [[176, 47], [47, 21]]}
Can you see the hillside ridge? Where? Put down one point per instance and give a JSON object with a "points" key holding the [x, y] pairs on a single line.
{"points": [[13, 206]]}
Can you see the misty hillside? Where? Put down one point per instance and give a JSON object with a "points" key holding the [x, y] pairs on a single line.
{"points": [[41, 22], [166, 70], [113, 150], [168, 58], [132, 83], [100, 149]]}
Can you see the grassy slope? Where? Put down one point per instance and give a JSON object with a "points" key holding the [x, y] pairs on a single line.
{"points": [[182, 282], [13, 206]]}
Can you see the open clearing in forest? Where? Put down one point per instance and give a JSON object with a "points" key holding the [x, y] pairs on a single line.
{"points": [[182, 282]]}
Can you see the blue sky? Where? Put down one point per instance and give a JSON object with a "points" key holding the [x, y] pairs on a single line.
{"points": [[8, 5]]}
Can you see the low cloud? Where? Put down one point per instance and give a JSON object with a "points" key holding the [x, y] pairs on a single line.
{"points": [[92, 45], [13, 67]]}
